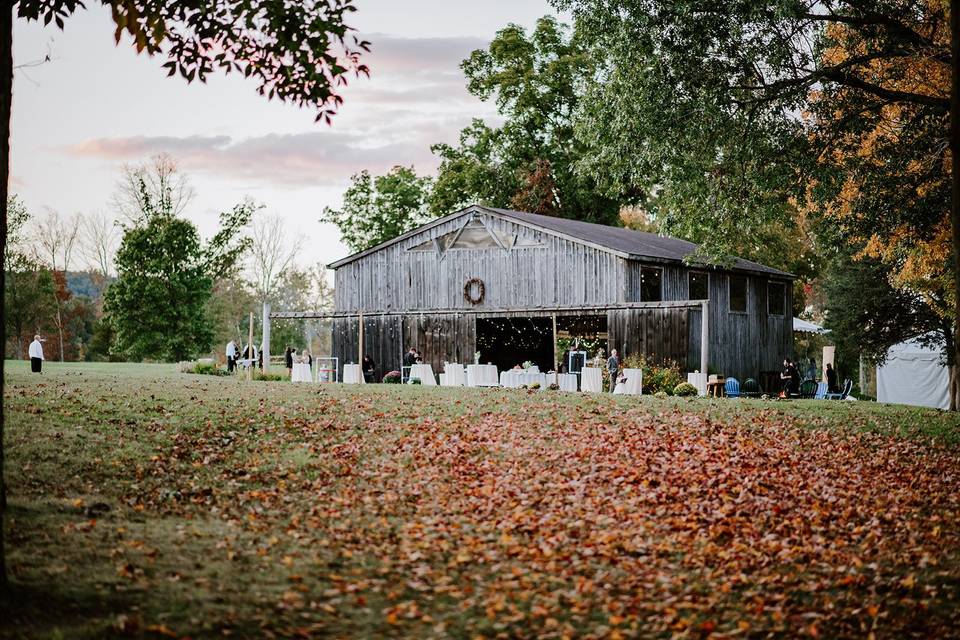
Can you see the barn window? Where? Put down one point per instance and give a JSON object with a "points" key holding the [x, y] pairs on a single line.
{"points": [[473, 236], [738, 293], [424, 246], [776, 298], [698, 285], [650, 281]]}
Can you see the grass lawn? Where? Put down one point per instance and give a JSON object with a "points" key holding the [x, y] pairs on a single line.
{"points": [[148, 503]]}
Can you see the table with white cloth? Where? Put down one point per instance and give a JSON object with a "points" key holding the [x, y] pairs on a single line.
{"points": [[353, 374], [698, 380], [591, 380], [482, 375], [634, 384], [514, 379], [423, 373], [566, 381], [454, 375], [301, 372]]}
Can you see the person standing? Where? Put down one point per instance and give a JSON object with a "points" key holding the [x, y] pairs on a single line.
{"points": [[288, 361], [613, 366], [36, 354], [832, 379], [231, 356], [811, 372], [369, 367]]}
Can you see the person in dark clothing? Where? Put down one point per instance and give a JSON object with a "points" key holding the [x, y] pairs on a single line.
{"points": [[832, 379], [369, 368], [795, 377], [613, 366], [410, 357], [288, 360], [790, 377]]}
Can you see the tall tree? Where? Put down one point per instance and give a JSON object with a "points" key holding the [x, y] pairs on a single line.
{"points": [[536, 80], [55, 237], [700, 107], [299, 52], [28, 295], [157, 183], [376, 209], [99, 240]]}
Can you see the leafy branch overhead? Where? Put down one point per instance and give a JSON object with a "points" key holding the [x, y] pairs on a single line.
{"points": [[299, 52]]}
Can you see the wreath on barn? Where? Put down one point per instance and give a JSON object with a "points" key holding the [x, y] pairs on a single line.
{"points": [[474, 291]]}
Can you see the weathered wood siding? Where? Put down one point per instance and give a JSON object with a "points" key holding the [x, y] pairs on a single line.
{"points": [[742, 345], [561, 273], [659, 334]]}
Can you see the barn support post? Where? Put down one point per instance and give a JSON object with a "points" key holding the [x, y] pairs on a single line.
{"points": [[253, 362], [556, 368], [704, 337], [265, 344], [360, 339]]}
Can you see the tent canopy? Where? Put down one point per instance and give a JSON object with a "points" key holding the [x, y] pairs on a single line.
{"points": [[802, 326], [914, 373]]}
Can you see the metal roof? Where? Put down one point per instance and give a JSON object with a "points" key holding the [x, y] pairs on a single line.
{"points": [[627, 242]]}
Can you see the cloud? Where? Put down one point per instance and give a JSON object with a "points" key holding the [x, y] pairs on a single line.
{"points": [[390, 55], [297, 160]]}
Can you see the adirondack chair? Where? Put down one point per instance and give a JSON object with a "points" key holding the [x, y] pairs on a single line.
{"points": [[821, 391], [750, 388], [847, 386], [808, 388], [732, 388]]}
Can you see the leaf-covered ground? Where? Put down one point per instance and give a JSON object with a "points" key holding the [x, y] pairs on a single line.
{"points": [[168, 504]]}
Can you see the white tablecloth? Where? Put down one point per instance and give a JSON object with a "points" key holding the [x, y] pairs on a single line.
{"points": [[482, 375], [634, 384], [591, 380], [353, 374], [455, 375], [301, 372], [513, 379], [424, 372], [567, 381], [699, 380]]}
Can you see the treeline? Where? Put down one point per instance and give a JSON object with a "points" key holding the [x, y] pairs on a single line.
{"points": [[811, 140], [143, 285]]}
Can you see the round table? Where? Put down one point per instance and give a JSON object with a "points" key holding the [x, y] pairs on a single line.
{"points": [[454, 375], [591, 380], [424, 373], [353, 374], [514, 379], [301, 372], [634, 384], [566, 381], [482, 375]]}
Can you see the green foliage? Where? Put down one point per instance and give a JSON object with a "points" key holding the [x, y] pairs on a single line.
{"points": [[392, 377], [158, 303], [657, 376], [209, 369], [530, 161], [269, 377], [377, 209], [684, 389], [298, 52]]}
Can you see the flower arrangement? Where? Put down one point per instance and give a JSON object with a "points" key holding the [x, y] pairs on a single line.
{"points": [[527, 364], [554, 387], [535, 385], [476, 358], [392, 377]]}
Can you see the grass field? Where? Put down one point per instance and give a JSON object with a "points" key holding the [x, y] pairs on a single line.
{"points": [[148, 503]]}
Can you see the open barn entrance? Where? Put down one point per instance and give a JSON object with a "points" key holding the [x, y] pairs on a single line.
{"points": [[507, 342]]}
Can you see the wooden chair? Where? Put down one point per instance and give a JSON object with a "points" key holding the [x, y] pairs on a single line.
{"points": [[847, 387], [732, 388]]}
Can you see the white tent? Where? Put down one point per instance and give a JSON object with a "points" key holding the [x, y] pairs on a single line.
{"points": [[802, 326], [914, 374]]}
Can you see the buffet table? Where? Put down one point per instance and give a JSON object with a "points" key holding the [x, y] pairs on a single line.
{"points": [[591, 380], [482, 375], [423, 373], [301, 372], [352, 374]]}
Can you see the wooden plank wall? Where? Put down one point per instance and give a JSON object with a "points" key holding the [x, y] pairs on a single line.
{"points": [[441, 338], [381, 341], [658, 334]]}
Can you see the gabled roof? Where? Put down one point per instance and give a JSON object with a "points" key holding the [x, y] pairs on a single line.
{"points": [[637, 245]]}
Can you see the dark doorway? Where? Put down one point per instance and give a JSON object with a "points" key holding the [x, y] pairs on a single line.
{"points": [[507, 342]]}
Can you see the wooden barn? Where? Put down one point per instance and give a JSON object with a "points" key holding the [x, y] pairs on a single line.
{"points": [[506, 284]]}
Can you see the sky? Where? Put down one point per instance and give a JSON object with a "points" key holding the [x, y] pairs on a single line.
{"points": [[96, 106]]}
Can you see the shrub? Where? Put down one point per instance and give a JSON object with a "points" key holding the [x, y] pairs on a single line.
{"points": [[269, 377], [657, 376], [392, 377], [535, 385], [684, 389], [415, 381], [207, 369], [661, 394], [554, 387]]}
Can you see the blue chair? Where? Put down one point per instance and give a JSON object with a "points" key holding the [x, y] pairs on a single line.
{"points": [[847, 387], [732, 388], [821, 393]]}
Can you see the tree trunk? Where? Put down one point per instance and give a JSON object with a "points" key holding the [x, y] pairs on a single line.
{"points": [[60, 329], [6, 100], [954, 358]]}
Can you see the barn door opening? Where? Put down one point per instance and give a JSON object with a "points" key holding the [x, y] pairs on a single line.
{"points": [[507, 342]]}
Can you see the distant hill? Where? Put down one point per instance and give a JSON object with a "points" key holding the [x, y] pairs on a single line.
{"points": [[87, 283]]}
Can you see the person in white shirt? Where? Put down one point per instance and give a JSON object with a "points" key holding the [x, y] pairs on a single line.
{"points": [[36, 354], [231, 355]]}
